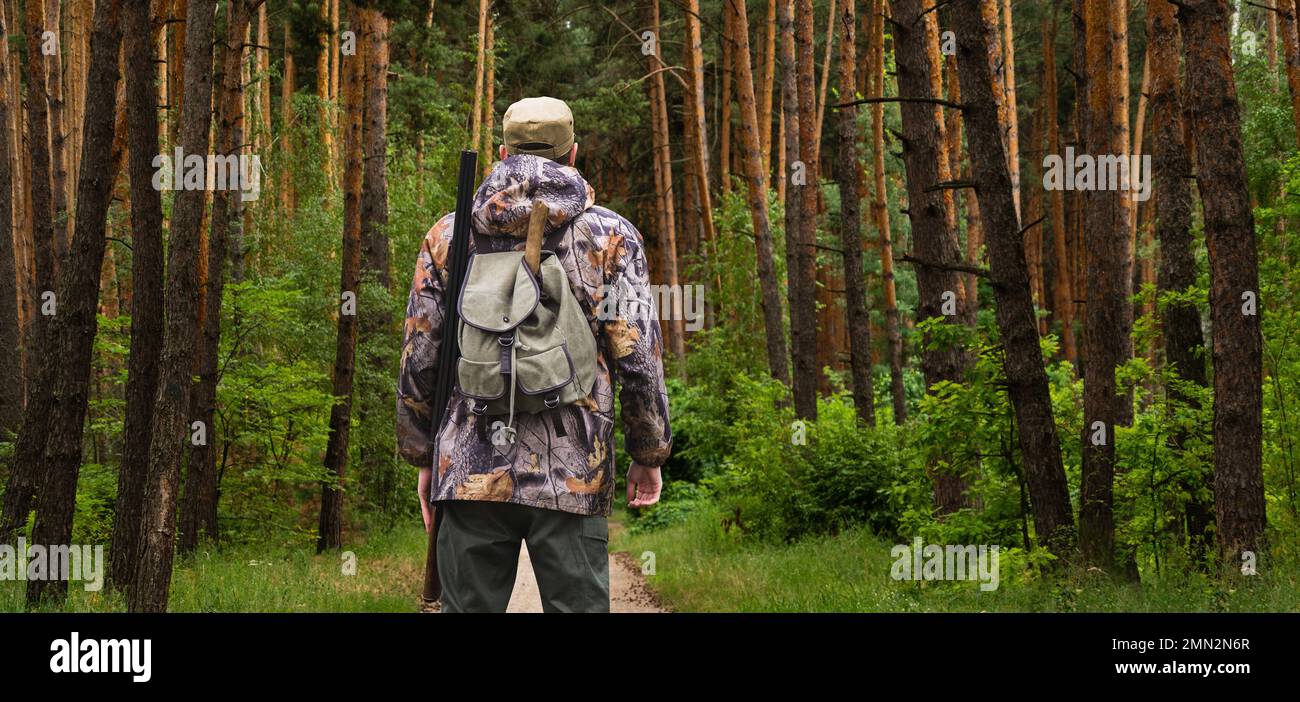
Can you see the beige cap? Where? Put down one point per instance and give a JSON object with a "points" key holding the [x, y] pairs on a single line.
{"points": [[542, 126]]}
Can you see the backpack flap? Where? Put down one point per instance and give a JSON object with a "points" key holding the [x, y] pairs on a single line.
{"points": [[499, 293]]}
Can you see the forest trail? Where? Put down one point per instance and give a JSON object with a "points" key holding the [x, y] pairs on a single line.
{"points": [[627, 589]]}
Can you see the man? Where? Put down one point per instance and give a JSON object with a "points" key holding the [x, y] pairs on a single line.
{"points": [[553, 485]]}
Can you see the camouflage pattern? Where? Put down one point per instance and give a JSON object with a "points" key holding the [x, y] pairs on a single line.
{"points": [[562, 459]]}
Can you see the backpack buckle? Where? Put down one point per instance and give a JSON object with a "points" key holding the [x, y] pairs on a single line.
{"points": [[506, 339], [552, 402], [477, 408]]}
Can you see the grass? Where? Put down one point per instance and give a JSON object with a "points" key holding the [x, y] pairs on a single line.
{"points": [[701, 568], [280, 578]]}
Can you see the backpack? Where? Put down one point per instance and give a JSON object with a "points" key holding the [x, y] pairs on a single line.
{"points": [[525, 343]]}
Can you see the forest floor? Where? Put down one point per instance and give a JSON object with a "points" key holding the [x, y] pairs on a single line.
{"points": [[693, 566], [701, 568], [380, 573]]}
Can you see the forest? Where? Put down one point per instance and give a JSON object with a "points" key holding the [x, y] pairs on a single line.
{"points": [[996, 272]]}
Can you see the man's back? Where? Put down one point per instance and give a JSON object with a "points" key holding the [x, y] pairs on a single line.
{"points": [[561, 459]]}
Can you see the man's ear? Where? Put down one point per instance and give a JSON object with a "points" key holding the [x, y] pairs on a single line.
{"points": [[501, 151], [573, 155]]}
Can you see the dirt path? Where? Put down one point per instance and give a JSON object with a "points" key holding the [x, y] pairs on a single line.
{"points": [[627, 589]]}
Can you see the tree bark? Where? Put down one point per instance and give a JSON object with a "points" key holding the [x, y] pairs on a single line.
{"points": [[1172, 167], [793, 167], [724, 125], [323, 61], [146, 297], [1026, 378], [664, 189], [490, 95], [767, 86], [848, 173], [1010, 113], [330, 528], [934, 236], [73, 329], [826, 77], [1234, 277], [21, 487], [1291, 52], [58, 134], [199, 510], [288, 197], [476, 123], [756, 189], [152, 581], [803, 276], [1109, 314], [11, 382], [695, 121], [1062, 288], [880, 215]]}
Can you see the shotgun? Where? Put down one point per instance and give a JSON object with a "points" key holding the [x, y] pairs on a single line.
{"points": [[449, 352]]}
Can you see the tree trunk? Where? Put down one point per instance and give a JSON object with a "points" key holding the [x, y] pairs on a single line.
{"points": [[880, 214], [695, 121], [476, 123], [848, 174], [375, 264], [1109, 314], [11, 382], [146, 297], [330, 528], [803, 276], [152, 581], [490, 95], [756, 188], [826, 78], [1234, 277], [263, 72], [934, 236], [724, 126], [1009, 112], [664, 196], [1026, 378], [58, 136], [288, 196], [323, 110], [24, 479], [794, 168], [767, 86], [73, 329], [199, 510], [1171, 165], [1291, 50], [1062, 288]]}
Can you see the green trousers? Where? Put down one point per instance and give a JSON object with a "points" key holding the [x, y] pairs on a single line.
{"points": [[478, 554]]}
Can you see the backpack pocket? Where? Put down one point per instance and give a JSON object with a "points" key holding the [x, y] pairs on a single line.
{"points": [[545, 373], [481, 380]]}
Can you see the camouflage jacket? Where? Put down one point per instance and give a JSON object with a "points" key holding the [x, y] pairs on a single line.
{"points": [[562, 459]]}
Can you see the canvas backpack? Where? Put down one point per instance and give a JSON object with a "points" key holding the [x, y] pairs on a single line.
{"points": [[525, 343]]}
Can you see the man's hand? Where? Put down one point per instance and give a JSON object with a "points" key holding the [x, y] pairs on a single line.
{"points": [[422, 488], [643, 485]]}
